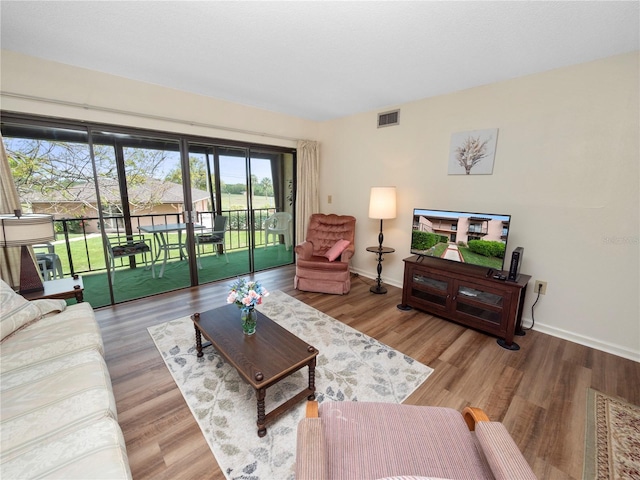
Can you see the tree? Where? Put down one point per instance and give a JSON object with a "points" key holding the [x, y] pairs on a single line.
{"points": [[471, 152], [267, 187], [63, 171], [198, 171]]}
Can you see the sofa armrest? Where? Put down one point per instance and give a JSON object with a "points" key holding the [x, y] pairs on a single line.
{"points": [[304, 250], [311, 455], [502, 453]]}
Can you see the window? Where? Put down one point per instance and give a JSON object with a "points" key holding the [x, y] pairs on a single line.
{"points": [[101, 180]]}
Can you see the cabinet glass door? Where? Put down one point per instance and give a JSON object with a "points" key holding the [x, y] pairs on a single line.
{"points": [[479, 303], [430, 289]]}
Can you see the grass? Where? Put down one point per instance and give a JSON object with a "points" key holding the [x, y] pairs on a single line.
{"points": [[132, 283], [475, 259], [88, 255], [439, 249], [468, 256]]}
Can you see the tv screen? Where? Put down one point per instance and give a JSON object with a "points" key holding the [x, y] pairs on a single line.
{"points": [[472, 238]]}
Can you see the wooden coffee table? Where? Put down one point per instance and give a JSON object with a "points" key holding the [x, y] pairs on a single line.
{"points": [[262, 359]]}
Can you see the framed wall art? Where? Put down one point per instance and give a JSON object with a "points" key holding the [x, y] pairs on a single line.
{"points": [[473, 152]]}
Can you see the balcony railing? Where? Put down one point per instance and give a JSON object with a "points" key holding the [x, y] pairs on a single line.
{"points": [[82, 251]]}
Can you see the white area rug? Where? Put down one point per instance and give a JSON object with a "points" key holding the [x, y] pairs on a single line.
{"points": [[350, 367]]}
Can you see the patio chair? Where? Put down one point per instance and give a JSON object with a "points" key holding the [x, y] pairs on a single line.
{"points": [[128, 246], [278, 224], [214, 236], [48, 261]]}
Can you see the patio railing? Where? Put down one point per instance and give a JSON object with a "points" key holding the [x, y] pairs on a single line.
{"points": [[81, 251]]}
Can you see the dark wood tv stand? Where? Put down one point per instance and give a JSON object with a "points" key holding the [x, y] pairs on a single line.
{"points": [[466, 295]]}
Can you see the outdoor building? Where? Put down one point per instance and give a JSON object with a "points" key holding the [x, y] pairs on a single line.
{"points": [[149, 197]]}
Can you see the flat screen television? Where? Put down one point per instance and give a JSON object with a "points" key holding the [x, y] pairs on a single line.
{"points": [[473, 238]]}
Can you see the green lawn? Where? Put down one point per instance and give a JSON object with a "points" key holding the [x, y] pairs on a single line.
{"points": [[474, 258], [88, 255]]}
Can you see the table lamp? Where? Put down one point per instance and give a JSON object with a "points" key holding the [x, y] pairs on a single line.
{"points": [[382, 205], [20, 231]]}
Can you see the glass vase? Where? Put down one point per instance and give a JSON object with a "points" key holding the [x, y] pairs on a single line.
{"points": [[249, 318]]}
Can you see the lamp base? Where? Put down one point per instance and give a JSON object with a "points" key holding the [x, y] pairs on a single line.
{"points": [[30, 280], [378, 289]]}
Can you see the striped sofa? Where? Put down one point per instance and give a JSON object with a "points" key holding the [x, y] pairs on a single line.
{"points": [[57, 410], [360, 440]]}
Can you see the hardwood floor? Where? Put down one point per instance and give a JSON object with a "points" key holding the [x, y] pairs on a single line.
{"points": [[538, 392]]}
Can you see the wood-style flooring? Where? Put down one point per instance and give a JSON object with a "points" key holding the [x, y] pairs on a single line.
{"points": [[538, 392]]}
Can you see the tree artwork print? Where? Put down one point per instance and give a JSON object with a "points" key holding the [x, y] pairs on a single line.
{"points": [[473, 152]]}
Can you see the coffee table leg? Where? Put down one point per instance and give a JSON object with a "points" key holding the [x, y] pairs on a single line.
{"points": [[198, 341], [260, 394], [312, 379]]}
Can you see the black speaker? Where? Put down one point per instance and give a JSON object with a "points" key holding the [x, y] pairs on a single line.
{"points": [[514, 268]]}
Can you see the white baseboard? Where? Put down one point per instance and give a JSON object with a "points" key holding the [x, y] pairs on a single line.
{"points": [[549, 330], [373, 275], [584, 340]]}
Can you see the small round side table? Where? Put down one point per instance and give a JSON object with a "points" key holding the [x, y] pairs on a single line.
{"points": [[379, 251]]}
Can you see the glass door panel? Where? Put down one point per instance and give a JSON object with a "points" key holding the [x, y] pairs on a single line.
{"points": [[53, 171], [142, 200], [235, 203], [272, 192], [218, 186]]}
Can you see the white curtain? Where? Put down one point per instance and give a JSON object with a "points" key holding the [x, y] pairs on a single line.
{"points": [[308, 175], [9, 201]]}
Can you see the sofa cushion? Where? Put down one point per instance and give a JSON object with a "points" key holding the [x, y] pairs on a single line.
{"points": [[50, 306], [58, 397], [15, 311], [20, 376], [95, 450], [70, 331]]}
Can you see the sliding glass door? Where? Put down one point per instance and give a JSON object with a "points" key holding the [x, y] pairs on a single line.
{"points": [[246, 187], [137, 211], [142, 205], [272, 180]]}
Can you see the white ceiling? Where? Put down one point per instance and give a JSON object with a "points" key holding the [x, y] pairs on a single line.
{"points": [[318, 59]]}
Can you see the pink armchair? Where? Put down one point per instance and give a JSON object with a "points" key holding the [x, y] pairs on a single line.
{"points": [[318, 269], [358, 440]]}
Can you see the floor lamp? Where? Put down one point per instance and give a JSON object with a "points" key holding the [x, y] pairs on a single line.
{"points": [[382, 205], [21, 231]]}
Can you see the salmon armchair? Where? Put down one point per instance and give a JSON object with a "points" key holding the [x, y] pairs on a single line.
{"points": [[361, 440], [322, 260]]}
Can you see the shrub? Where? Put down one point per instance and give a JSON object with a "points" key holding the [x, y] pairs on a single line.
{"points": [[425, 240], [487, 248], [73, 226]]}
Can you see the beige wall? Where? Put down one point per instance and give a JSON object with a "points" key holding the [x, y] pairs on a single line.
{"points": [[193, 114], [566, 169]]}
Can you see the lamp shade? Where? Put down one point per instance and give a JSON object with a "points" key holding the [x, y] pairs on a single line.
{"points": [[382, 203], [25, 230]]}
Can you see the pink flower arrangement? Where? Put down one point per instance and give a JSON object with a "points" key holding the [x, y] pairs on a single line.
{"points": [[246, 294]]}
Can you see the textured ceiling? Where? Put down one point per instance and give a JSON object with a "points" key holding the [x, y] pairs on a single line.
{"points": [[320, 60]]}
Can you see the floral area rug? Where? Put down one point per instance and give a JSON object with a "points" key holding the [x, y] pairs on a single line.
{"points": [[612, 442], [350, 367]]}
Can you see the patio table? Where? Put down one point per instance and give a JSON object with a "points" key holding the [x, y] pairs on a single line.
{"points": [[161, 243]]}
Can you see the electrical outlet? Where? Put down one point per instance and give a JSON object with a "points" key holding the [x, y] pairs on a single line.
{"points": [[329, 199], [541, 287]]}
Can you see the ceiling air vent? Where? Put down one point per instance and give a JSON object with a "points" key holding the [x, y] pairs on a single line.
{"points": [[388, 119]]}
